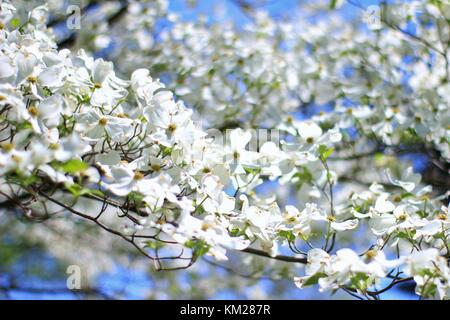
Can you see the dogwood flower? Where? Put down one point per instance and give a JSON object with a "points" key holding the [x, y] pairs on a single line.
{"points": [[210, 230], [96, 126]]}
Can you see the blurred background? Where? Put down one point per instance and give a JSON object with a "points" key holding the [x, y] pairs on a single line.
{"points": [[35, 256]]}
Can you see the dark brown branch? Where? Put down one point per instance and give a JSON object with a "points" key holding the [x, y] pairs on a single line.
{"points": [[278, 257], [391, 285]]}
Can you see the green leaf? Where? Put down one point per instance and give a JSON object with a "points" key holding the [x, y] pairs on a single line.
{"points": [[153, 245], [23, 125], [73, 166], [15, 23], [314, 279], [429, 290], [288, 235], [305, 176], [23, 180], [252, 171], [77, 191], [159, 67], [325, 152], [236, 232], [142, 118], [198, 247], [166, 151], [333, 4], [361, 281], [136, 198], [74, 189], [94, 192]]}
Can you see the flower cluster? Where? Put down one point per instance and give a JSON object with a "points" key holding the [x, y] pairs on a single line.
{"points": [[75, 129]]}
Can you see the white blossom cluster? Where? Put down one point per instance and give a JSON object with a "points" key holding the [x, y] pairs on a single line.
{"points": [[74, 129], [292, 65]]}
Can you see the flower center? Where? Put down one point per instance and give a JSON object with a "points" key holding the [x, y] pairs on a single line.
{"points": [[33, 111], [206, 170], [371, 254], [122, 115], [138, 175], [54, 146], [97, 85], [291, 219], [310, 140], [32, 79], [205, 226], [156, 167], [103, 121], [7, 146], [172, 127], [16, 159]]}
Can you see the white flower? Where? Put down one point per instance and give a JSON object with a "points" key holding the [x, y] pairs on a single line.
{"points": [[99, 77], [382, 205], [309, 131], [212, 231], [299, 222], [237, 140], [95, 126], [213, 198], [171, 121], [7, 68], [260, 224], [320, 215], [420, 260], [332, 272], [271, 157], [69, 147], [408, 181], [47, 113]]}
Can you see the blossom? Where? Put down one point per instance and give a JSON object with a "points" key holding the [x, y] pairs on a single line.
{"points": [[408, 181], [210, 230], [236, 151], [260, 223], [332, 272], [99, 77], [214, 200], [95, 126]]}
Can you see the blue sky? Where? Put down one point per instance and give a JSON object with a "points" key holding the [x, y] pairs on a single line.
{"points": [[134, 282]]}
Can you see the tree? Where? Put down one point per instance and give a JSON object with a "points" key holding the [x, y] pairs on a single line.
{"points": [[170, 148]]}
